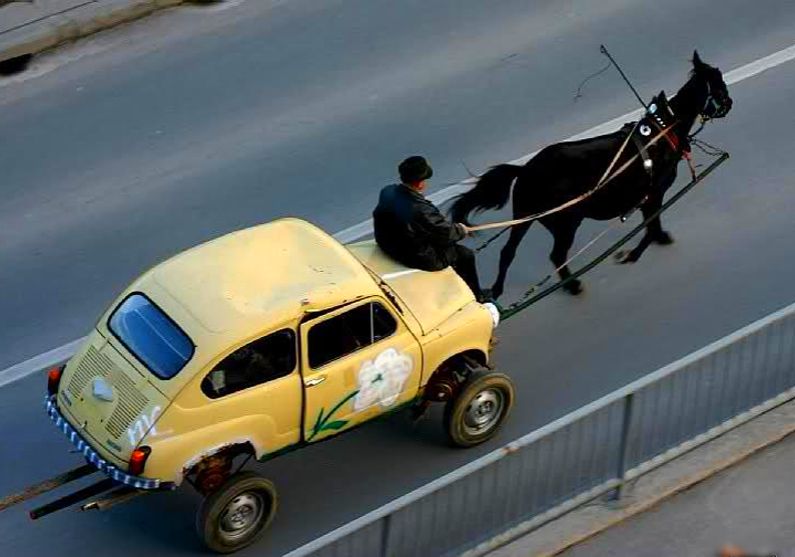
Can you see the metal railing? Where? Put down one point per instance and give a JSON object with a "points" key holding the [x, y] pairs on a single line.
{"points": [[583, 455]]}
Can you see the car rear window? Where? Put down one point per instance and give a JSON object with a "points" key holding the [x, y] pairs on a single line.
{"points": [[151, 336]]}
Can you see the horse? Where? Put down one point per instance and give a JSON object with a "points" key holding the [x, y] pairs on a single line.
{"points": [[573, 174]]}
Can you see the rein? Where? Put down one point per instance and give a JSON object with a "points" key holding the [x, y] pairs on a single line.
{"points": [[530, 297], [607, 177]]}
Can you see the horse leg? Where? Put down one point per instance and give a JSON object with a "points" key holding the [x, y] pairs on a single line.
{"points": [[654, 228], [654, 231], [658, 235], [507, 255], [564, 238]]}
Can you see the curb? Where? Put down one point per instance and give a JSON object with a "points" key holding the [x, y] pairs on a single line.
{"points": [[70, 25], [655, 487]]}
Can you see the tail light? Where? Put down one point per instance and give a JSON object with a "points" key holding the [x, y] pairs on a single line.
{"points": [[54, 378], [138, 460]]}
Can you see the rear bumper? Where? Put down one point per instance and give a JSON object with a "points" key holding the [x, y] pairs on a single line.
{"points": [[93, 457]]}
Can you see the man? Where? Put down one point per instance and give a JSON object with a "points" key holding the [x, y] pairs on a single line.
{"points": [[411, 230]]}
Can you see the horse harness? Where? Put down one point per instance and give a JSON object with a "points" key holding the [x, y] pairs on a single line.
{"points": [[653, 118], [660, 115]]}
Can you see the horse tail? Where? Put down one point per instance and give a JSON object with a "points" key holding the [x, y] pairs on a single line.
{"points": [[492, 191]]}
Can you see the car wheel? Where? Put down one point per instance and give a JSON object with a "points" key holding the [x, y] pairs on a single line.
{"points": [[480, 408], [237, 513]]}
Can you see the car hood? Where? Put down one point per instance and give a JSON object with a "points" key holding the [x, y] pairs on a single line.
{"points": [[431, 297]]}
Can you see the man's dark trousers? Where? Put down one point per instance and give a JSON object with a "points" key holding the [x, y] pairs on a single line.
{"points": [[462, 260]]}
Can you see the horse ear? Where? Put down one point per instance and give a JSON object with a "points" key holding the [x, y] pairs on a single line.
{"points": [[697, 60]]}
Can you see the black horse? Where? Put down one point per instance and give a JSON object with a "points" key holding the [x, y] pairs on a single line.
{"points": [[566, 171]]}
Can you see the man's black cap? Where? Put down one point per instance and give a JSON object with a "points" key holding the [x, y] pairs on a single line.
{"points": [[414, 169]]}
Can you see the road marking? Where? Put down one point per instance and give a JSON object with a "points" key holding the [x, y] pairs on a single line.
{"points": [[365, 228], [758, 66], [397, 274], [37, 363], [446, 194]]}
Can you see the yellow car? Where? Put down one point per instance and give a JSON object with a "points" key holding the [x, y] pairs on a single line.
{"points": [[263, 341]]}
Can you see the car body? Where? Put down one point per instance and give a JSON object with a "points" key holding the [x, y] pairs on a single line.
{"points": [[260, 341]]}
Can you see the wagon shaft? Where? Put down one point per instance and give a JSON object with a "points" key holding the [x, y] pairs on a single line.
{"points": [[68, 500], [116, 497], [531, 297], [47, 485]]}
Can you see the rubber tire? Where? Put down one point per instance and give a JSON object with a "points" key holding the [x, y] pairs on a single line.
{"points": [[207, 519], [454, 410]]}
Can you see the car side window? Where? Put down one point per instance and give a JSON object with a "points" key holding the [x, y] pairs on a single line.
{"points": [[348, 332], [263, 360]]}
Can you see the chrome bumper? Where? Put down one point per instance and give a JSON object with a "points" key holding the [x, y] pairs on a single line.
{"points": [[93, 457]]}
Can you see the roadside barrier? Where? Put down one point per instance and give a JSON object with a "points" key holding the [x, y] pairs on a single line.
{"points": [[591, 452]]}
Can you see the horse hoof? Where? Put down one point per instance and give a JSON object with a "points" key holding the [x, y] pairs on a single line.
{"points": [[485, 296], [664, 239], [623, 257], [574, 287]]}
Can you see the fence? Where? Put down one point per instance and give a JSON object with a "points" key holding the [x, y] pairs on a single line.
{"points": [[585, 454]]}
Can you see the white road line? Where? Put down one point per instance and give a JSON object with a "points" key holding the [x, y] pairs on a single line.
{"points": [[758, 66], [40, 362], [365, 228], [397, 274], [734, 76]]}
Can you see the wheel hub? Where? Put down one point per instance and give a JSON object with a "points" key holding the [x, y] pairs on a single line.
{"points": [[483, 411], [241, 515]]}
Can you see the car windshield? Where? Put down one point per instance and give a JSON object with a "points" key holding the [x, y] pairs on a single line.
{"points": [[151, 336]]}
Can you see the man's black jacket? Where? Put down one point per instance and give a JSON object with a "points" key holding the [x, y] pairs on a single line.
{"points": [[410, 229]]}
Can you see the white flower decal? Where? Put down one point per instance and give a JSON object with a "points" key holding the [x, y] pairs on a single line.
{"points": [[381, 380]]}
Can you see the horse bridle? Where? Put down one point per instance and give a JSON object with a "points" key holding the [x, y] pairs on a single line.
{"points": [[718, 105], [719, 108]]}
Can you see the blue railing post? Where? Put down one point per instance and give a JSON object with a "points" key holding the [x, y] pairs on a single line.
{"points": [[385, 531], [623, 455]]}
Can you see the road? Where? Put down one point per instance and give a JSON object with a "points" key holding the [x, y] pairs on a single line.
{"points": [[141, 142]]}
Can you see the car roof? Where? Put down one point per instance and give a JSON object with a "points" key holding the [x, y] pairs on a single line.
{"points": [[248, 282]]}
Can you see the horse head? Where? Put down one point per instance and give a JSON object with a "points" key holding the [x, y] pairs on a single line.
{"points": [[712, 91]]}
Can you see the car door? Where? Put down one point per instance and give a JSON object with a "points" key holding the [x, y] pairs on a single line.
{"points": [[357, 362], [253, 392]]}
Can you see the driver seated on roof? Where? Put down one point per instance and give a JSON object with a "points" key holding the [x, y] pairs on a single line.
{"points": [[411, 230]]}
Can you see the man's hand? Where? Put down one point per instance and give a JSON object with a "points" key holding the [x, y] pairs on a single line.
{"points": [[465, 228]]}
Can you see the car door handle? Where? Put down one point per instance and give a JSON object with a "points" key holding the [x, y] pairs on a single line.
{"points": [[316, 380]]}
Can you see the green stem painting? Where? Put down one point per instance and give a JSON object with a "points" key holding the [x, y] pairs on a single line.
{"points": [[325, 422]]}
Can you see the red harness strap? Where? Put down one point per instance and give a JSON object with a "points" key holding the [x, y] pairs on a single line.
{"points": [[673, 141], [688, 156]]}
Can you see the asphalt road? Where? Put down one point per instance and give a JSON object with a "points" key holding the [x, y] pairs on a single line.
{"points": [[141, 142]]}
